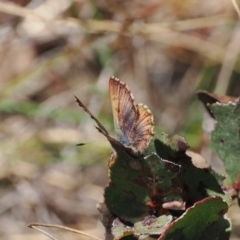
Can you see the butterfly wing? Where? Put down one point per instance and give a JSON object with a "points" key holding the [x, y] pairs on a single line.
{"points": [[142, 131], [124, 109], [133, 124]]}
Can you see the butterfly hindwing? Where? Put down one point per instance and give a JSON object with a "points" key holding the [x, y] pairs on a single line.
{"points": [[143, 129]]}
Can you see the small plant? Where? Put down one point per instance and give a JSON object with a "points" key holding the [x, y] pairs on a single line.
{"points": [[156, 190]]}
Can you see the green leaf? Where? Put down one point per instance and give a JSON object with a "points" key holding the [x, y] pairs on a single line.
{"points": [[120, 230], [151, 225], [138, 185], [204, 220], [196, 183], [226, 136]]}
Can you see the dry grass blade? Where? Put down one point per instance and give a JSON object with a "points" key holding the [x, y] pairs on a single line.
{"points": [[152, 30], [229, 61], [42, 231], [235, 5], [36, 225], [168, 36], [52, 50], [148, 28], [16, 10]]}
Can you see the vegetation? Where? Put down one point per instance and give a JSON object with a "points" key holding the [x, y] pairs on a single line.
{"points": [[53, 50]]}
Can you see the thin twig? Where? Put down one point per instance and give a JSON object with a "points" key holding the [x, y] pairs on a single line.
{"points": [[42, 231], [34, 225]]}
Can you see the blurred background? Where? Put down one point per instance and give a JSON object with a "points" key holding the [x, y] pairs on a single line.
{"points": [[51, 50]]}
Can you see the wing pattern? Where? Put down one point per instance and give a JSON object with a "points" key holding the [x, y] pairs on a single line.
{"points": [[133, 123]]}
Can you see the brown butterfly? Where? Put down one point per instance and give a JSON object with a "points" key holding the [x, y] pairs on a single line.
{"points": [[133, 123]]}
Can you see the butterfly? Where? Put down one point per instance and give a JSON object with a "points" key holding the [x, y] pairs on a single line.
{"points": [[133, 123]]}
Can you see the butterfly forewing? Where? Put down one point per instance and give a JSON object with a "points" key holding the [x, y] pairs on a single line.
{"points": [[123, 107]]}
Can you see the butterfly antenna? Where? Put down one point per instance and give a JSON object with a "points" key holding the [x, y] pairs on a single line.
{"points": [[112, 141], [98, 140], [92, 116]]}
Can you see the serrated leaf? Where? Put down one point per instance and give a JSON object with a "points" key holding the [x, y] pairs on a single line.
{"points": [[202, 219], [226, 136], [219, 230], [152, 225], [196, 183], [138, 185], [208, 98], [120, 230]]}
